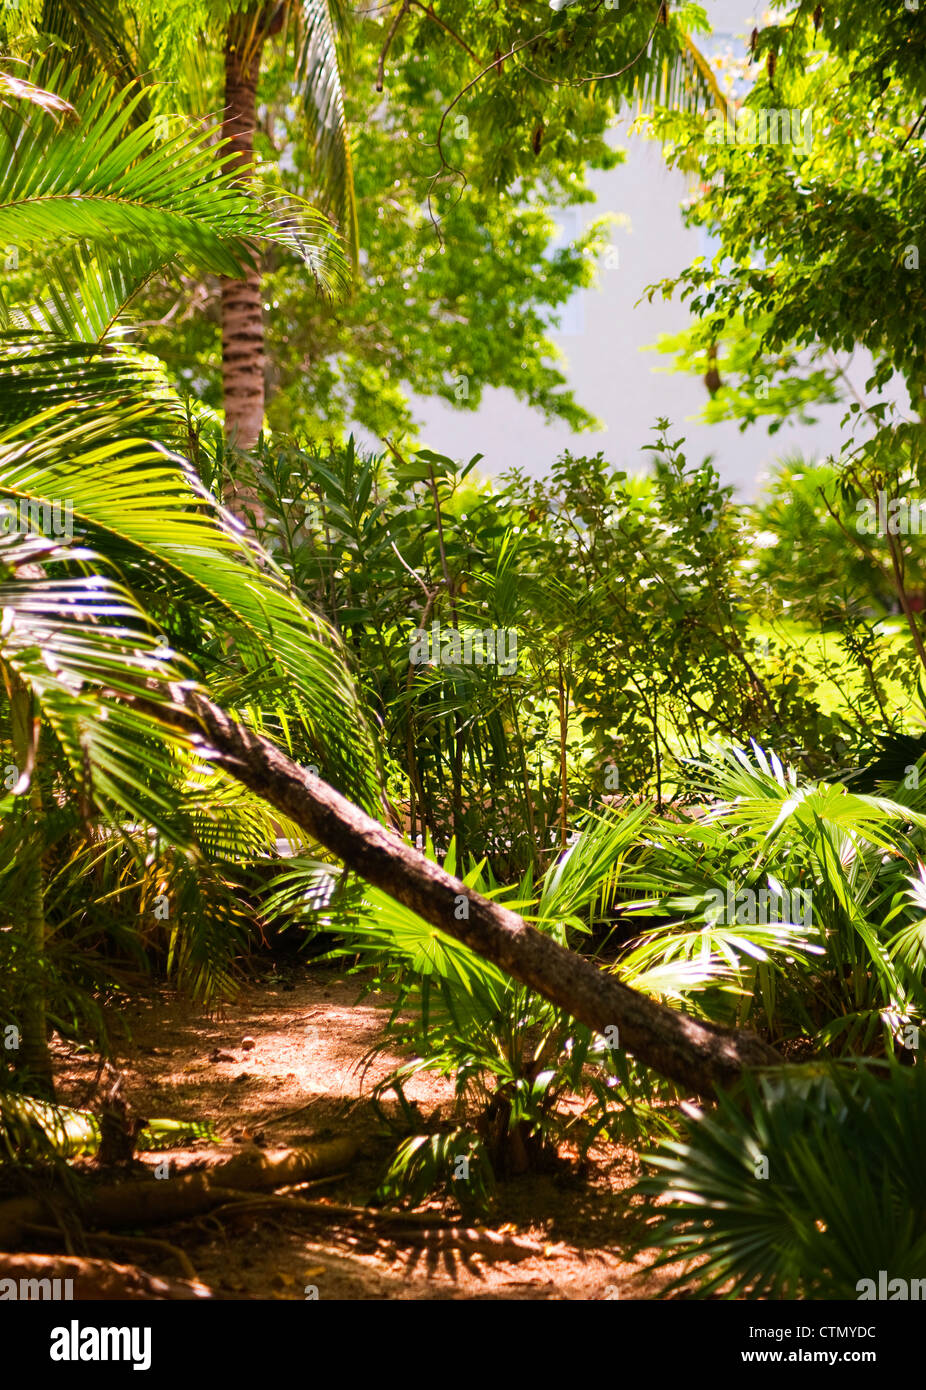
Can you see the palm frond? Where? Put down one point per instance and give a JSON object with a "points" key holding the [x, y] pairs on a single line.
{"points": [[77, 644], [684, 80], [130, 494], [583, 880], [89, 290], [810, 1187], [54, 373], [100, 177], [21, 90], [318, 74], [96, 37]]}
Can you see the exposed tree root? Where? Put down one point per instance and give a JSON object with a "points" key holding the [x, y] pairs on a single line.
{"points": [[147, 1200], [140, 1242]]}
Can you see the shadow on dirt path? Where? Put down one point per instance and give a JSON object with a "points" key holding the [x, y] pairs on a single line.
{"points": [[285, 1065]]}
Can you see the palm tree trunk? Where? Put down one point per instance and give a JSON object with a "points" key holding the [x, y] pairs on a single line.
{"points": [[242, 316], [563, 760], [34, 1059]]}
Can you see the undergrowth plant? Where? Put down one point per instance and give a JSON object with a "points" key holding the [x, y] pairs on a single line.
{"points": [[528, 1079], [807, 1184]]}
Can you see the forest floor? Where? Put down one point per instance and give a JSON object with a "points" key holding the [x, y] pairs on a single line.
{"points": [[559, 1236]]}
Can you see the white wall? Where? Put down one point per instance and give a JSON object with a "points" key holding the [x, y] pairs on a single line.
{"points": [[604, 336]]}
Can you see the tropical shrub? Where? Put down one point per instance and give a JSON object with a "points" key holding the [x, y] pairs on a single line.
{"points": [[805, 1186]]}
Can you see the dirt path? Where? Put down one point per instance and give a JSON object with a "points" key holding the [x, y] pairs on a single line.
{"points": [[303, 1079]]}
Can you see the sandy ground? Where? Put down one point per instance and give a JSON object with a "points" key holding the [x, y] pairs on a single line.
{"points": [[303, 1079]]}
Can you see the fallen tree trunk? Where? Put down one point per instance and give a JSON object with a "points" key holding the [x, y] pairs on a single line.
{"points": [[695, 1055]]}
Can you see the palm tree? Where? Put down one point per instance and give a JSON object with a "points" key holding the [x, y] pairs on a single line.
{"points": [[160, 582], [317, 24], [318, 81], [95, 33], [98, 36]]}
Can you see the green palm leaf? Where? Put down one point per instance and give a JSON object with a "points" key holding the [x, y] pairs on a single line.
{"points": [[52, 372], [94, 34], [318, 75], [102, 177], [77, 644], [131, 496], [90, 289]]}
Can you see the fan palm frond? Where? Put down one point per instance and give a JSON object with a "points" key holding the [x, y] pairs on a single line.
{"points": [[806, 1190]]}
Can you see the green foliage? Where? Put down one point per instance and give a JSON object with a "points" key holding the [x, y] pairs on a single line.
{"points": [[807, 1184], [516, 1060], [842, 979], [94, 175], [27, 1124], [452, 1165], [33, 1130], [461, 270], [815, 235], [644, 661], [597, 780], [118, 840], [754, 381]]}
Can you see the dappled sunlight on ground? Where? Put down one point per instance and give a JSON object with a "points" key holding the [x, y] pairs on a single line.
{"points": [[285, 1065]]}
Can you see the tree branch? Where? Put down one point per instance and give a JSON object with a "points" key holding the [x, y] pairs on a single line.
{"points": [[397, 18]]}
